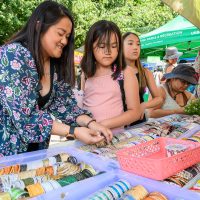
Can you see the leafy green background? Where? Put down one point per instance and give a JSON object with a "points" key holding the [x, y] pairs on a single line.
{"points": [[193, 108], [140, 16]]}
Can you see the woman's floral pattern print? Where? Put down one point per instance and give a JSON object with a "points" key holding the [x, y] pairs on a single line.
{"points": [[21, 121]]}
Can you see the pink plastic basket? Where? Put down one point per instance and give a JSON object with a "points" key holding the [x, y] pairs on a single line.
{"points": [[150, 159]]}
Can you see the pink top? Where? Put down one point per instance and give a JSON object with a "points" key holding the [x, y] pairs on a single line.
{"points": [[102, 97]]}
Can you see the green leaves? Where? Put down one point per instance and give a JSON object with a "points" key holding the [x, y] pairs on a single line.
{"points": [[13, 15], [193, 108], [140, 16]]}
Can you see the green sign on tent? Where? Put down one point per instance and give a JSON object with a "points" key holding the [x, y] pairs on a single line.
{"points": [[178, 32]]}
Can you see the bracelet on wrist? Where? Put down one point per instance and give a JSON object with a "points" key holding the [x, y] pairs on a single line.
{"points": [[71, 130], [71, 135], [92, 120]]}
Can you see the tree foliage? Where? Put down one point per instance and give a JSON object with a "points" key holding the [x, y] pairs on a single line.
{"points": [[140, 16], [13, 14]]}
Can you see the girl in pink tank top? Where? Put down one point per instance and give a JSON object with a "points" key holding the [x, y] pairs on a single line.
{"points": [[103, 67]]}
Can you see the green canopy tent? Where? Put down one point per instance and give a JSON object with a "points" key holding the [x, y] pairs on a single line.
{"points": [[178, 32]]}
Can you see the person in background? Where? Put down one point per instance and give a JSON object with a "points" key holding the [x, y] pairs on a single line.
{"points": [[173, 91], [104, 70], [196, 66], [191, 88], [171, 56], [37, 72], [144, 76], [158, 74]]}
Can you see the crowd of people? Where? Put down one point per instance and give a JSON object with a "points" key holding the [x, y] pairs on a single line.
{"points": [[37, 77]]}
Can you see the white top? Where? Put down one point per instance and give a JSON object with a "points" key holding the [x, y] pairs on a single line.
{"points": [[170, 103]]}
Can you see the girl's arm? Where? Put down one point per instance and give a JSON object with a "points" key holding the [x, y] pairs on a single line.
{"points": [[86, 121], [133, 112], [156, 100], [160, 75], [169, 69], [82, 80], [190, 96], [157, 112], [161, 113]]}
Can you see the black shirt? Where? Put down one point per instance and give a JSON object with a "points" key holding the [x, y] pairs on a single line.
{"points": [[42, 100], [141, 101]]}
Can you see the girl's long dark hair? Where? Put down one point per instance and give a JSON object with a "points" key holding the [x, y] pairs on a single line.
{"points": [[101, 31], [44, 16], [141, 72]]}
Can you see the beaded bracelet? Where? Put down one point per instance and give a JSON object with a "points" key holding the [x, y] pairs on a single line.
{"points": [[7, 169], [47, 186], [72, 160], [79, 176], [35, 189], [28, 181], [86, 173], [40, 171], [54, 184], [5, 195], [49, 170], [92, 120], [23, 167], [19, 184], [117, 189], [115, 193], [17, 193], [15, 169], [138, 192], [64, 157], [157, 195], [67, 180]]}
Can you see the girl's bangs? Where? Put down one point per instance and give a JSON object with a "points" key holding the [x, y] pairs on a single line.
{"points": [[105, 38]]}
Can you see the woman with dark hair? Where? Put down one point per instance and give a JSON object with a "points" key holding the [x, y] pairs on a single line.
{"points": [[104, 71], [145, 77], [37, 72], [174, 91]]}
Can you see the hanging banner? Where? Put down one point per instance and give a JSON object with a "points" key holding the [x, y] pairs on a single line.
{"points": [[77, 57], [190, 9]]}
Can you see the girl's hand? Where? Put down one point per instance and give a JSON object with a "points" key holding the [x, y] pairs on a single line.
{"points": [[107, 133], [143, 110], [87, 136]]}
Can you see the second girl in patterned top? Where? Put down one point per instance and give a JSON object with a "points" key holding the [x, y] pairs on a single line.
{"points": [[103, 67]]}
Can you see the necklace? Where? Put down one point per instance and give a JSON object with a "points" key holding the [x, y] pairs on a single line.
{"points": [[185, 99], [175, 96]]}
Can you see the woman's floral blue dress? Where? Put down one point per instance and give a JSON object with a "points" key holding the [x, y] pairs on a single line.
{"points": [[21, 121]]}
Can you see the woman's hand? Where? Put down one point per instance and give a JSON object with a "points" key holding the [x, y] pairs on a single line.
{"points": [[87, 135], [107, 133]]}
